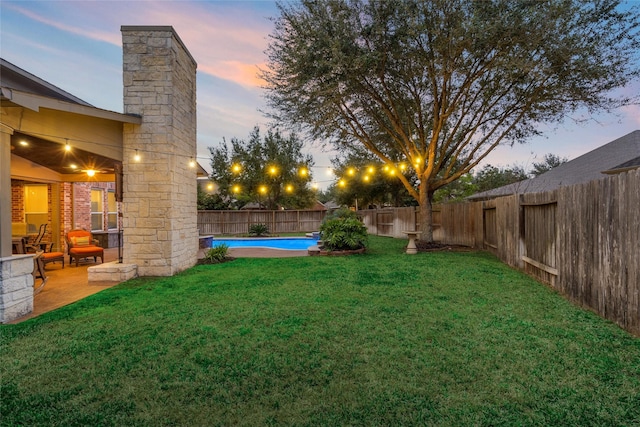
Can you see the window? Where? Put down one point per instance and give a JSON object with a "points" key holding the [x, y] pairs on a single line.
{"points": [[36, 206], [112, 210], [97, 215]]}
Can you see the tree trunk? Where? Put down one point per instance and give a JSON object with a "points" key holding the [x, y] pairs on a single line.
{"points": [[425, 220]]}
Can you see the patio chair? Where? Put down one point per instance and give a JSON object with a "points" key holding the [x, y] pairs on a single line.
{"points": [[80, 244], [38, 272], [19, 245], [48, 256], [37, 244]]}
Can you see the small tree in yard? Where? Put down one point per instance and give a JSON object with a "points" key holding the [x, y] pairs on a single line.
{"points": [[444, 82], [271, 170]]}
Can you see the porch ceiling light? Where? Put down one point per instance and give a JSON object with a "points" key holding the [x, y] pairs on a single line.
{"points": [[24, 143]]}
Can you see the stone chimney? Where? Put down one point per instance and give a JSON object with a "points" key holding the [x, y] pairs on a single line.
{"points": [[159, 187]]}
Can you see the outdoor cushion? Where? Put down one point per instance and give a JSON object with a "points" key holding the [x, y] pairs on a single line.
{"points": [[53, 257], [81, 241], [88, 249]]}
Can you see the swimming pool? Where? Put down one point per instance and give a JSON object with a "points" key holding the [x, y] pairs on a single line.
{"points": [[283, 243]]}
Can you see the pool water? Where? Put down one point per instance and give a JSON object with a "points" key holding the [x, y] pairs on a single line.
{"points": [[283, 243]]}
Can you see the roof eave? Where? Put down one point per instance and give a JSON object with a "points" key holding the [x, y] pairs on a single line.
{"points": [[36, 102]]}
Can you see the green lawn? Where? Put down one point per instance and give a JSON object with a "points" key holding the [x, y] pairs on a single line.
{"points": [[377, 339]]}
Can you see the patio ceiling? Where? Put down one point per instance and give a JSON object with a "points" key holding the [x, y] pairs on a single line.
{"points": [[53, 155]]}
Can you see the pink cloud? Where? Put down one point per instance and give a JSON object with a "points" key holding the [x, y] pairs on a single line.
{"points": [[227, 40]]}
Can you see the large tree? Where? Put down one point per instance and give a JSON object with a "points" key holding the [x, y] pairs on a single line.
{"points": [[444, 82], [362, 181], [271, 171]]}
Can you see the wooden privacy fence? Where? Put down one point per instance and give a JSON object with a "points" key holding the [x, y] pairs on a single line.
{"points": [[238, 222], [583, 240]]}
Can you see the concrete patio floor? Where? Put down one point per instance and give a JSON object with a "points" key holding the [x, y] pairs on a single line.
{"points": [[70, 284], [67, 285]]}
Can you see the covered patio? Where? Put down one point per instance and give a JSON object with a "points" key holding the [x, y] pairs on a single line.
{"points": [[57, 150]]}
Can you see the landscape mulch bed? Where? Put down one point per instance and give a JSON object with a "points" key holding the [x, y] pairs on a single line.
{"points": [[441, 247]]}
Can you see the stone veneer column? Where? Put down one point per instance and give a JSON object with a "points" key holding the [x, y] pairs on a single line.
{"points": [[159, 192], [16, 280]]}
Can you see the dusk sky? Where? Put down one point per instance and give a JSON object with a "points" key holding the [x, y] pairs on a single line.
{"points": [[77, 46]]}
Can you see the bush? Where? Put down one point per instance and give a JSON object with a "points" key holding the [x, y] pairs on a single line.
{"points": [[217, 253], [343, 231], [258, 230]]}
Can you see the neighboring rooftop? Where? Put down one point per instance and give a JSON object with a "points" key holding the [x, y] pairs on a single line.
{"points": [[617, 156]]}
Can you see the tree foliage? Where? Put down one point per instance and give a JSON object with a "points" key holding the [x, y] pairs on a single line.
{"points": [[444, 82], [210, 202], [490, 177], [549, 162], [364, 181], [271, 171]]}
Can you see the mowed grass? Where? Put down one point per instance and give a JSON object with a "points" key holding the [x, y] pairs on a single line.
{"points": [[377, 339]]}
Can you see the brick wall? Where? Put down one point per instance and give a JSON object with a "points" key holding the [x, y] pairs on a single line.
{"points": [[17, 201], [75, 207]]}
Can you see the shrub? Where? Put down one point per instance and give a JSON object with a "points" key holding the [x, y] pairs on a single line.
{"points": [[343, 232], [258, 230], [217, 253]]}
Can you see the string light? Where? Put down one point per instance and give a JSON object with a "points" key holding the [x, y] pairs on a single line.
{"points": [[136, 156], [192, 163], [67, 147], [91, 172]]}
